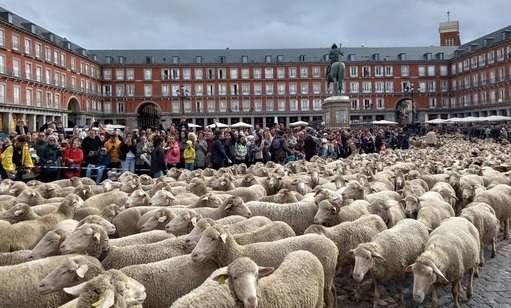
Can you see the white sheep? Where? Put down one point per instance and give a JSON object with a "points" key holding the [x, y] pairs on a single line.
{"points": [[499, 198], [452, 250], [252, 193], [482, 216], [389, 253], [101, 200], [389, 210], [332, 213]]}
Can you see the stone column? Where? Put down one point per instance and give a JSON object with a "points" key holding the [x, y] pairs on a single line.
{"points": [[264, 122], [31, 122], [8, 123]]}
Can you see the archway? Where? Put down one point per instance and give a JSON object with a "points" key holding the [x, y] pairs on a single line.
{"points": [[148, 115], [73, 108]]}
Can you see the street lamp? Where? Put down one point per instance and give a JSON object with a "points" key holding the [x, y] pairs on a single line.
{"points": [[182, 92], [411, 90]]}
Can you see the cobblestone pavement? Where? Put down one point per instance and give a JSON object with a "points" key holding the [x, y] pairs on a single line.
{"points": [[491, 290]]}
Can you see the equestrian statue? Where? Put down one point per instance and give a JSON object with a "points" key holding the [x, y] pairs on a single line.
{"points": [[335, 71]]}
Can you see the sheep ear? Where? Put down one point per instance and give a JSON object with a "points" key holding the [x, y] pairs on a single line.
{"points": [[162, 219], [439, 276], [18, 212], [409, 268], [32, 194], [223, 237], [265, 271], [80, 271], [378, 256], [351, 252], [107, 300], [193, 221], [97, 236], [140, 193], [220, 275], [75, 290], [228, 205]]}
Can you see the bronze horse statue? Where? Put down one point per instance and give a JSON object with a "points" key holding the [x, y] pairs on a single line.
{"points": [[335, 73]]}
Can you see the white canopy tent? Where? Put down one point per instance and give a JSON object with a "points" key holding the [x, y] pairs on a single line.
{"points": [[384, 122], [241, 125], [298, 123], [218, 125], [497, 118], [437, 121], [191, 125]]}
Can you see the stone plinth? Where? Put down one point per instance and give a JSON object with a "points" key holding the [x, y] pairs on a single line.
{"points": [[337, 111]]}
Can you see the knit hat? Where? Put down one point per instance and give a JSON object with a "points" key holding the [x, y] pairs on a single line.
{"points": [[189, 142]]}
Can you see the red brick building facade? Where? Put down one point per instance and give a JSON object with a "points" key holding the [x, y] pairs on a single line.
{"points": [[45, 77]]}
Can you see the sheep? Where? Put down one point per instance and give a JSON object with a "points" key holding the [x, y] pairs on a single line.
{"points": [[447, 192], [17, 188], [390, 211], [415, 188], [482, 216], [355, 191], [298, 215], [96, 219], [349, 234], [432, 212], [273, 231], [499, 198], [19, 212], [108, 212], [252, 193], [15, 257], [109, 288], [48, 190], [283, 196], [26, 234], [101, 200], [452, 249], [389, 253], [231, 206], [325, 194], [141, 238], [138, 198], [412, 203], [218, 245], [244, 226], [163, 198], [331, 213], [130, 220], [7, 202], [432, 179], [24, 278], [48, 245], [244, 280], [211, 199], [32, 197]]}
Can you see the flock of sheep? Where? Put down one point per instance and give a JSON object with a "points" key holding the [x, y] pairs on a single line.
{"points": [[263, 236]]}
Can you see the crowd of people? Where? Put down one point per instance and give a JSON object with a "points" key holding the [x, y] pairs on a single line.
{"points": [[50, 154]]}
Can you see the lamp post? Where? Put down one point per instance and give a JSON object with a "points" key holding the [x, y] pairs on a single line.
{"points": [[182, 93], [411, 90]]}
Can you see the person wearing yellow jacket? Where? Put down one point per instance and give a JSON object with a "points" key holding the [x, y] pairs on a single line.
{"points": [[189, 155], [16, 158]]}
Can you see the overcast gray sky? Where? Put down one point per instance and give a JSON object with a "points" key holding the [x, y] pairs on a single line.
{"points": [[201, 24]]}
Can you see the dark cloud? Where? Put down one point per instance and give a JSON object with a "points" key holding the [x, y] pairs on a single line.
{"points": [[198, 24]]}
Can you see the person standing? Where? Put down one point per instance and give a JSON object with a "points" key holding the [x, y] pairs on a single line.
{"points": [[201, 150], [158, 167], [173, 156], [310, 145], [113, 146], [189, 155], [240, 150], [50, 160], [99, 164], [218, 155], [90, 146], [128, 151], [73, 159], [16, 159]]}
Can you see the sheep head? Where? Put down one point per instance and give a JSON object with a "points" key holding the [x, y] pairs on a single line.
{"points": [[72, 271], [158, 220], [425, 274], [365, 256], [192, 238], [98, 220], [182, 223], [327, 212], [235, 206], [211, 243], [90, 239]]}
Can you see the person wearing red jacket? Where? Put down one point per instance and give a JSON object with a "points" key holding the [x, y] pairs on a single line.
{"points": [[73, 159], [173, 156]]}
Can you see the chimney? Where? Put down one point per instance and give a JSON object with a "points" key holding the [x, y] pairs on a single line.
{"points": [[449, 33]]}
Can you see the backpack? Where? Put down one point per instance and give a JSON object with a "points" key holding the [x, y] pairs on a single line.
{"points": [[276, 144]]}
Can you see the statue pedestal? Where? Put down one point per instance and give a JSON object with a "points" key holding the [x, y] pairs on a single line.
{"points": [[337, 111]]}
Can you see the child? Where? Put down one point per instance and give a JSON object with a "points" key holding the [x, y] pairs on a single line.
{"points": [[189, 155]]}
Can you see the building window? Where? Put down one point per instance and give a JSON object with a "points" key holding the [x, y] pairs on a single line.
{"points": [[235, 89], [16, 67], [431, 86], [258, 105], [175, 90], [367, 86], [2, 64], [244, 73], [28, 71], [422, 71], [281, 88], [187, 74], [223, 106], [367, 104], [353, 71], [354, 104], [199, 89], [175, 60], [281, 73], [47, 54], [16, 95], [269, 105], [431, 70], [210, 89], [38, 98], [245, 88], [304, 72], [107, 74], [268, 73], [432, 102], [269, 88], [49, 99], [305, 104], [366, 71], [293, 105], [354, 87], [389, 87], [28, 96], [119, 89], [165, 74], [165, 90], [316, 71], [380, 103], [15, 42], [211, 106], [304, 88], [38, 73], [235, 106], [244, 59], [258, 73], [378, 71], [258, 89], [148, 74], [28, 47], [292, 72], [222, 89], [148, 90], [211, 74], [267, 59], [221, 74], [121, 107], [198, 73], [379, 86], [405, 71], [388, 70], [246, 105], [234, 73], [2, 38], [316, 88], [422, 86], [317, 104], [119, 74], [174, 74], [292, 88], [282, 105]]}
